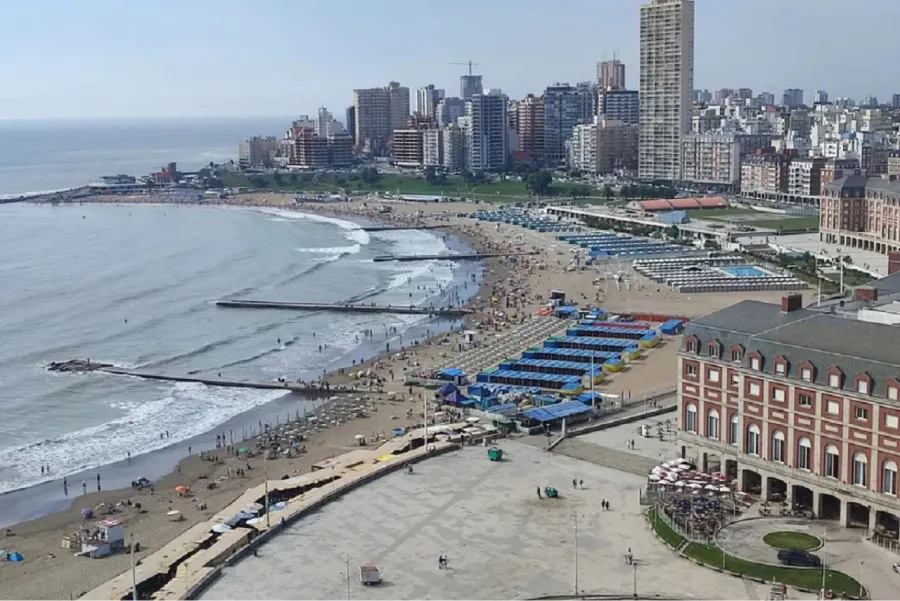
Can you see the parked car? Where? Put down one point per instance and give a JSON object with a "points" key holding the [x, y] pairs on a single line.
{"points": [[799, 557]]}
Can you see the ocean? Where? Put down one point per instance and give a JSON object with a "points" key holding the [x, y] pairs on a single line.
{"points": [[134, 285], [43, 156]]}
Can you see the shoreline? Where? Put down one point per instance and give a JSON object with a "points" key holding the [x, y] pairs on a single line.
{"points": [[161, 462], [43, 515]]}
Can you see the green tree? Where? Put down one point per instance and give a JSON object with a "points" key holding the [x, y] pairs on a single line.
{"points": [[607, 193], [672, 232], [468, 177], [293, 179], [370, 175], [431, 175], [539, 182], [276, 178], [626, 192]]}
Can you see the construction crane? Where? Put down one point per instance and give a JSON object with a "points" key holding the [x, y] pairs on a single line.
{"points": [[470, 64]]}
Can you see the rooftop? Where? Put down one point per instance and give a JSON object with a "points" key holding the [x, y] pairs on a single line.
{"points": [[822, 339]]}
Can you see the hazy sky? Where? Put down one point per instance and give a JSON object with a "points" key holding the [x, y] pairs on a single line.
{"points": [[216, 58]]}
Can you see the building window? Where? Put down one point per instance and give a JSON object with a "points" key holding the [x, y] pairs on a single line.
{"points": [[690, 418], [834, 380], [714, 350], [754, 363], [712, 375], [753, 389], [893, 393], [735, 380], [780, 368], [862, 386], [889, 478], [691, 346], [832, 462], [862, 413], [860, 467], [804, 454], [891, 421], [778, 447], [733, 429], [804, 400], [736, 356], [690, 370], [753, 440], [778, 394], [712, 424], [806, 374], [833, 407]]}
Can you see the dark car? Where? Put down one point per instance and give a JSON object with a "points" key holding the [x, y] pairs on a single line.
{"points": [[799, 557]]}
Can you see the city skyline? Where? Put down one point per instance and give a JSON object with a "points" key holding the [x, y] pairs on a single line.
{"points": [[93, 61]]}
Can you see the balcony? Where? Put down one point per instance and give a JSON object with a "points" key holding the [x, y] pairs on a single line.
{"points": [[794, 475]]}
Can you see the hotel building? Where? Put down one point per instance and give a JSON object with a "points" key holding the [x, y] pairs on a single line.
{"points": [[861, 212], [795, 403]]}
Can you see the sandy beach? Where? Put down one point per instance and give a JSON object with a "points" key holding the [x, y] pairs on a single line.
{"points": [[513, 290]]}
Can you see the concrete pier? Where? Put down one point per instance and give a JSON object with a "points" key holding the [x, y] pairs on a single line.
{"points": [[459, 257], [348, 308], [79, 366]]}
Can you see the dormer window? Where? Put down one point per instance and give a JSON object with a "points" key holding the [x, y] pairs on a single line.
{"points": [[691, 346], [835, 377], [714, 349], [806, 374], [781, 366], [892, 391], [756, 361], [737, 353], [863, 383]]}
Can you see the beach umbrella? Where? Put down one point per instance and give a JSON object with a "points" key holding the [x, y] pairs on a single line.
{"points": [[654, 477], [86, 513], [251, 510], [181, 488], [256, 506], [679, 484], [253, 521], [173, 513], [694, 485], [220, 528], [15, 557], [724, 489], [711, 487], [359, 437], [243, 450]]}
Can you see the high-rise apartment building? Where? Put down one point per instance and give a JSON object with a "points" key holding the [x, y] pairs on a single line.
{"points": [[350, 120], [820, 97], [379, 111], [666, 86], [433, 147], [702, 96], [455, 156], [895, 101], [792, 97], [564, 108], [450, 109], [488, 145], [407, 147], [712, 159], [766, 99], [257, 152], [530, 122], [326, 124], [611, 75], [427, 100], [620, 105], [583, 148], [469, 85], [617, 146], [723, 94]]}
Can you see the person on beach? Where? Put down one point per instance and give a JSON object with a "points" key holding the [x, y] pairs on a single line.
{"points": [[83, 487], [98, 482]]}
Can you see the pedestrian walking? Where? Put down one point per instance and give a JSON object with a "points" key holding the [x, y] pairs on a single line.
{"points": [[83, 487], [98, 482], [539, 492]]}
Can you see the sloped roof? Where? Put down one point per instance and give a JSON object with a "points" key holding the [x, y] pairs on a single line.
{"points": [[655, 205], [712, 202], [684, 203]]}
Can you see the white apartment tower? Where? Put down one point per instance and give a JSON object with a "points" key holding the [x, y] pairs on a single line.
{"points": [[666, 86], [427, 100], [488, 145]]}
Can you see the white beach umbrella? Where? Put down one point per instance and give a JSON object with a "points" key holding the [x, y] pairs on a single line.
{"points": [[694, 485], [654, 477], [680, 484]]}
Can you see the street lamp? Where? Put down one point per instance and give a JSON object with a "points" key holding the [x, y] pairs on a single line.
{"points": [[634, 580], [575, 517], [134, 594]]}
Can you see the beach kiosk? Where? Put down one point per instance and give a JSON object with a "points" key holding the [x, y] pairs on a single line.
{"points": [[108, 537]]}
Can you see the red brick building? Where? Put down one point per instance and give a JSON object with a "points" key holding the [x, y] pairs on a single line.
{"points": [[796, 403]]}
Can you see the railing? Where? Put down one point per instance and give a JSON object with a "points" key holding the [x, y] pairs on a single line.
{"points": [[891, 544], [687, 534]]}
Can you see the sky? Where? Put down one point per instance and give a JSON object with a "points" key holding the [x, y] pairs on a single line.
{"points": [[91, 59]]}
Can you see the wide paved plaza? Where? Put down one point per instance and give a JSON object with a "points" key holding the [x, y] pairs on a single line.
{"points": [[502, 541]]}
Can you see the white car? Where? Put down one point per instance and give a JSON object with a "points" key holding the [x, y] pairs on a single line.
{"points": [[896, 568]]}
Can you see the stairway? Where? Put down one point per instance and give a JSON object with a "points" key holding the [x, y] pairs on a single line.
{"points": [[606, 456]]}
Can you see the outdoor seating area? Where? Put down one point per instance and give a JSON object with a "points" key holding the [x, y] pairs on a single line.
{"points": [[614, 246], [526, 220], [715, 274]]}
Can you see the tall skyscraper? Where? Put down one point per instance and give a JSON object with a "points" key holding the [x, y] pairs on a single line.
{"points": [[666, 86], [378, 112], [620, 105], [895, 101], [350, 119], [531, 126], [821, 97], [469, 85], [488, 144], [792, 97], [564, 108], [611, 75], [450, 109], [427, 99]]}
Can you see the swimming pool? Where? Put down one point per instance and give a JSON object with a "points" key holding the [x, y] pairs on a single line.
{"points": [[745, 271]]}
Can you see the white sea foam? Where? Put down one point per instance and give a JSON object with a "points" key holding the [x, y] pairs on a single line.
{"points": [[334, 250], [185, 410], [352, 230]]}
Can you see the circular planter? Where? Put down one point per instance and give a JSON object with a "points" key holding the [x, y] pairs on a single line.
{"points": [[791, 539]]}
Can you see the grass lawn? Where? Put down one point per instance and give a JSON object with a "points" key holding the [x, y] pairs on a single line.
{"points": [[786, 539], [788, 223], [715, 557], [719, 213], [500, 191]]}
